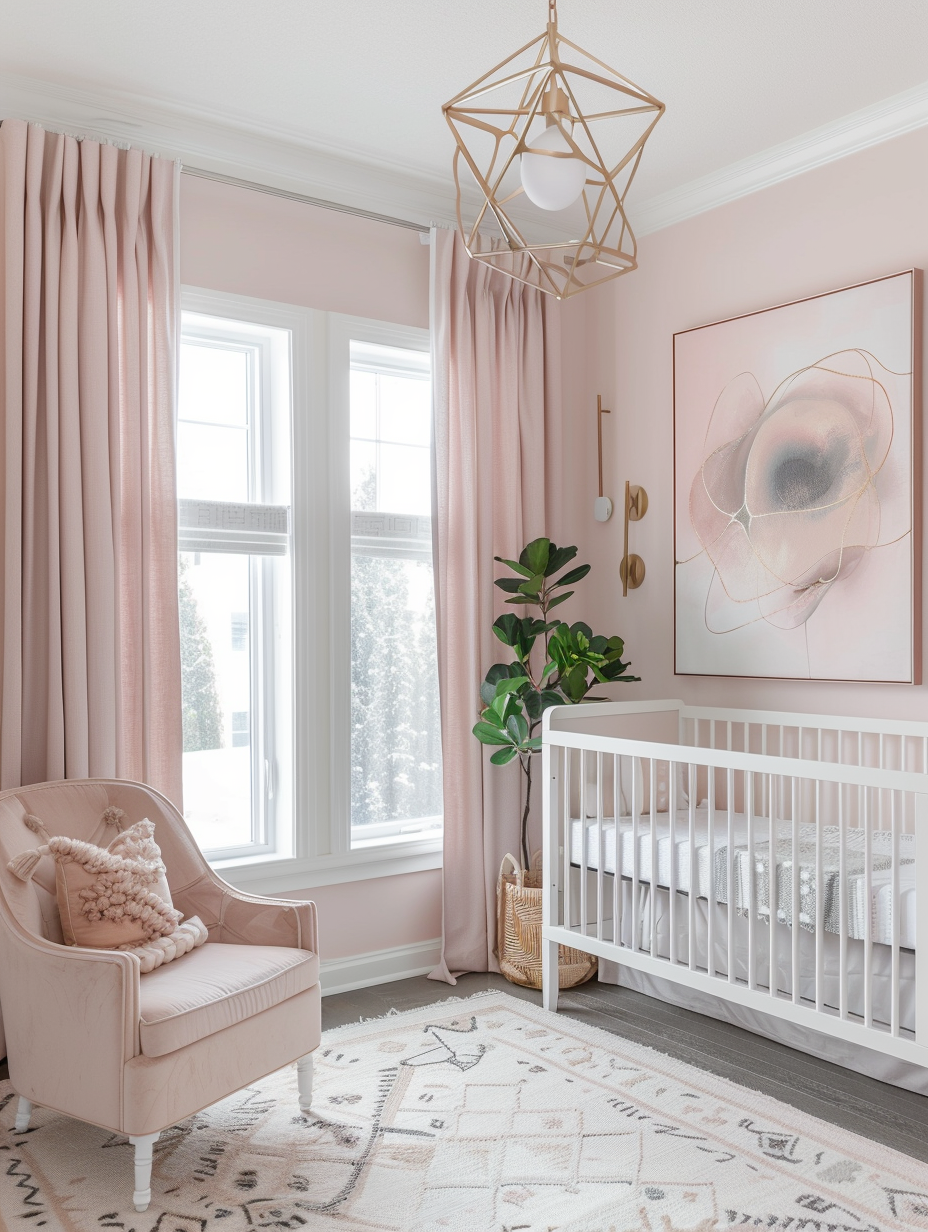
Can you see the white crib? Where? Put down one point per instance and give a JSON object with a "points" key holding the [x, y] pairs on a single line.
{"points": [[711, 847]]}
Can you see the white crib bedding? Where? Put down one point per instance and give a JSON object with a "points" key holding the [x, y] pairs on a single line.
{"points": [[881, 897]]}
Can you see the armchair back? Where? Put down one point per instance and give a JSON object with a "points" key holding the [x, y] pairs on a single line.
{"points": [[75, 808]]}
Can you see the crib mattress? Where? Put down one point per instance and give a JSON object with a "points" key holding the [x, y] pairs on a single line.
{"points": [[704, 862]]}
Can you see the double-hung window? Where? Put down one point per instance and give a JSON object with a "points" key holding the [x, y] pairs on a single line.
{"points": [[233, 452], [395, 727], [312, 749]]}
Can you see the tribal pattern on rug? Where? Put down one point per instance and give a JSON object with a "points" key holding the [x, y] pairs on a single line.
{"points": [[479, 1115]]}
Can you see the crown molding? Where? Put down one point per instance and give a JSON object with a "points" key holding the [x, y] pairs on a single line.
{"points": [[283, 158], [892, 117], [232, 145]]}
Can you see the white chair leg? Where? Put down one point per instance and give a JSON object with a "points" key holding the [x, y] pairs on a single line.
{"points": [[144, 1149], [304, 1081], [23, 1115]]}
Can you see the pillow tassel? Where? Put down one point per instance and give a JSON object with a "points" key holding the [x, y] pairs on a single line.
{"points": [[113, 816], [36, 826], [25, 864]]}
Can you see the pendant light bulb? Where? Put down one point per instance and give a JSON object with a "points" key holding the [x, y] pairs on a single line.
{"points": [[552, 183]]}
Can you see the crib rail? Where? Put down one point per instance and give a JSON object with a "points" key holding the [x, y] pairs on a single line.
{"points": [[786, 883]]}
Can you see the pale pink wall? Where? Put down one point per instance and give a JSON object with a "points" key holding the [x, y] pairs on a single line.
{"points": [[235, 239], [855, 219], [361, 916], [246, 242]]}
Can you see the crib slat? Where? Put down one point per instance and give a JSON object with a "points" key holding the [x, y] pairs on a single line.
{"points": [[652, 891], [842, 901], [711, 906], [819, 903], [616, 866], [584, 845], [672, 806], [796, 923], [730, 861], [600, 852], [772, 885], [868, 911], [896, 918], [749, 812], [568, 838], [694, 871], [636, 871]]}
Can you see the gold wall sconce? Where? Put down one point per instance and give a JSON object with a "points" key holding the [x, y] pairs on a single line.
{"points": [[602, 507], [631, 569]]}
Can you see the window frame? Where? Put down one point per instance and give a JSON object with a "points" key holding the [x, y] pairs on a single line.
{"points": [[316, 849], [269, 479]]}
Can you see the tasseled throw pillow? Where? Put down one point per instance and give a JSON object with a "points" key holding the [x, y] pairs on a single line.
{"points": [[117, 897]]}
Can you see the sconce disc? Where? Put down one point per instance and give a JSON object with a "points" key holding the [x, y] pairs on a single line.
{"points": [[637, 502], [602, 509], [631, 571]]}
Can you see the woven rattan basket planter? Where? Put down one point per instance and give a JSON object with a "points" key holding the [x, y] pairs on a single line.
{"points": [[518, 903]]}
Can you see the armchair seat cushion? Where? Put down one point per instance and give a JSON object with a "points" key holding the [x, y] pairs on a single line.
{"points": [[215, 987]]}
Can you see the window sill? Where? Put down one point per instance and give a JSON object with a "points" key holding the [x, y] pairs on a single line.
{"points": [[273, 875]]}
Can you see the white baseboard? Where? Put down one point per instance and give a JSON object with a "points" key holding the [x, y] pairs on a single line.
{"points": [[402, 962]]}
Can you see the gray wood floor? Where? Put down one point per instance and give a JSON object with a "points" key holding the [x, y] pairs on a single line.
{"points": [[886, 1114]]}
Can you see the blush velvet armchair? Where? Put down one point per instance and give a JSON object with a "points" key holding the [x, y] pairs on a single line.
{"points": [[90, 1036]]}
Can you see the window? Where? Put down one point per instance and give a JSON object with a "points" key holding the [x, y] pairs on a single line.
{"points": [[395, 732], [233, 469], [311, 724]]}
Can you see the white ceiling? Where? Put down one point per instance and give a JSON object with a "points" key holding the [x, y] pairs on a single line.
{"points": [[366, 78]]}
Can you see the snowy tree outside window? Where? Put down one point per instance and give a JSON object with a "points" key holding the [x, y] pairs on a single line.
{"points": [[395, 725]]}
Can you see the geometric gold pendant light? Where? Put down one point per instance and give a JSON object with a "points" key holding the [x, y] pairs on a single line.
{"points": [[548, 143]]}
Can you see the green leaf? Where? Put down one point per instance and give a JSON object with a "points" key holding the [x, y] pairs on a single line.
{"points": [[514, 564], [558, 558], [551, 698], [533, 585], [486, 733], [512, 685], [535, 555], [560, 599], [547, 670], [502, 757], [508, 628], [510, 585], [573, 576], [498, 672], [534, 743], [523, 599], [517, 728]]}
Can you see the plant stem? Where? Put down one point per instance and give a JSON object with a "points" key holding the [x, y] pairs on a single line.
{"points": [[527, 767]]}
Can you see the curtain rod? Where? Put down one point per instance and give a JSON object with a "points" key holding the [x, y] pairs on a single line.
{"points": [[322, 204]]}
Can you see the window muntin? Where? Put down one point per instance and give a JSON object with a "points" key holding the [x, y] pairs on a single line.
{"points": [[395, 790], [233, 488]]}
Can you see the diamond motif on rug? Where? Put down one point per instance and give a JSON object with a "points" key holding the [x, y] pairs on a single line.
{"points": [[477, 1115]]}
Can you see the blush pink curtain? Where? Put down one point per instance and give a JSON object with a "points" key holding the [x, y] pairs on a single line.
{"points": [[89, 641], [497, 431]]}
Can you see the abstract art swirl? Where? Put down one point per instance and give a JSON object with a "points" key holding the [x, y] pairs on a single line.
{"points": [[794, 490]]}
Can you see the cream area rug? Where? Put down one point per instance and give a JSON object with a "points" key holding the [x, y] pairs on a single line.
{"points": [[479, 1115]]}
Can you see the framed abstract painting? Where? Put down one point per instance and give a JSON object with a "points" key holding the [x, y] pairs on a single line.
{"points": [[797, 465]]}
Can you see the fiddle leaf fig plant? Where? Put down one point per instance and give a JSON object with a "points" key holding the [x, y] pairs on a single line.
{"points": [[516, 694]]}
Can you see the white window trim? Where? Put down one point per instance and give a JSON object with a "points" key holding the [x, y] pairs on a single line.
{"points": [[320, 523]]}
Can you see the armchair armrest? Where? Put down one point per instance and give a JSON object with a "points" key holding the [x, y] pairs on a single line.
{"points": [[77, 1006], [249, 919]]}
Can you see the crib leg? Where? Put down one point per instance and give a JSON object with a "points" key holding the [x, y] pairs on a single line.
{"points": [[23, 1115], [304, 1081], [550, 976], [144, 1149]]}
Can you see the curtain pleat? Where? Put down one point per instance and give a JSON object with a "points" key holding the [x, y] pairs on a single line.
{"points": [[90, 666], [496, 432]]}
